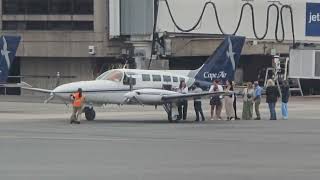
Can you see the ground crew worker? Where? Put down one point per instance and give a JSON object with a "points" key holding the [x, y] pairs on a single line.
{"points": [[78, 100]]}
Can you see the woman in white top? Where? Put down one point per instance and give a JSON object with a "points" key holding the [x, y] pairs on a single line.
{"points": [[228, 100], [215, 100], [183, 104]]}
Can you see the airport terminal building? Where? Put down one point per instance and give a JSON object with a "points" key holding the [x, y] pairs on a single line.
{"points": [[83, 38], [65, 36]]}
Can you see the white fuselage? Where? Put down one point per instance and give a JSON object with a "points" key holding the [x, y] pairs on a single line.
{"points": [[112, 87]]}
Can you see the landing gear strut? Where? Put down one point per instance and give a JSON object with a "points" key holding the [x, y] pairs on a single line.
{"points": [[89, 113], [172, 115]]}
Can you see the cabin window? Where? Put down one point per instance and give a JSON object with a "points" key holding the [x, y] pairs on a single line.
{"points": [[127, 78], [175, 79], [146, 77], [156, 77], [167, 78], [182, 79]]}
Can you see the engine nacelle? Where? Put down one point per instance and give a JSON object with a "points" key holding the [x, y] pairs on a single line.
{"points": [[147, 96]]}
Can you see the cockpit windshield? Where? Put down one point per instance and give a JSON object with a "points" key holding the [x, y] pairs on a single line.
{"points": [[113, 75]]}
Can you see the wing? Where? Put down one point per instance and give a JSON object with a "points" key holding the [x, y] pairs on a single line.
{"points": [[15, 85], [177, 97], [37, 90]]}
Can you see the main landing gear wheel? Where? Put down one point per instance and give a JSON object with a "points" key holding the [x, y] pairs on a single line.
{"points": [[89, 113]]}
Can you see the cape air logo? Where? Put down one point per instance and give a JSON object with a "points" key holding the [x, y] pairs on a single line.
{"points": [[5, 52], [222, 74], [212, 76]]}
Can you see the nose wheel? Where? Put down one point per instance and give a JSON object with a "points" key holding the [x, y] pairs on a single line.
{"points": [[89, 113]]}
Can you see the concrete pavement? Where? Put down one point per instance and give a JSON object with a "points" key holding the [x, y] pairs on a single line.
{"points": [[37, 142]]}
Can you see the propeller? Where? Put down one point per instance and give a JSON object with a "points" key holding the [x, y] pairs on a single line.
{"points": [[52, 95]]}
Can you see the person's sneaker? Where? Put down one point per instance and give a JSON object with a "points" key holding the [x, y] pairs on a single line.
{"points": [[203, 120], [197, 120], [257, 118], [237, 118], [212, 119], [77, 122]]}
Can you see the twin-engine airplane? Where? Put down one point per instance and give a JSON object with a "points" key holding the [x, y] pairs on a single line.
{"points": [[148, 87]]}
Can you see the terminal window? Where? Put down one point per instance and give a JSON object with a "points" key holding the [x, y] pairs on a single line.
{"points": [[48, 25], [47, 7]]}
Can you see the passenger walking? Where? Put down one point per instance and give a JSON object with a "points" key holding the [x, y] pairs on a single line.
{"points": [[183, 104], [78, 100], [197, 102], [215, 100], [257, 99], [235, 103], [272, 98], [248, 96], [228, 100], [285, 92]]}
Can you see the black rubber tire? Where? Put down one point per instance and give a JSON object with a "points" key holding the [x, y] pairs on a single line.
{"points": [[89, 113]]}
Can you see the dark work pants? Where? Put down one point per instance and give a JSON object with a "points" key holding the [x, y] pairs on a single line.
{"points": [[182, 108], [272, 108], [235, 106], [198, 109]]}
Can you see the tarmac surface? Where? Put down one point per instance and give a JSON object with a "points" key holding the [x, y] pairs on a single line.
{"points": [[133, 142]]}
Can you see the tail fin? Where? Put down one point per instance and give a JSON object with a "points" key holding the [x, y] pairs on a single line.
{"points": [[222, 63], [8, 48]]}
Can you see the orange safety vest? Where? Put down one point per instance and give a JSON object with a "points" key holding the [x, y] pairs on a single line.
{"points": [[78, 101]]}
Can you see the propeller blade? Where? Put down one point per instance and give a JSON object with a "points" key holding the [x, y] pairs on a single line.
{"points": [[138, 101], [49, 99]]}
